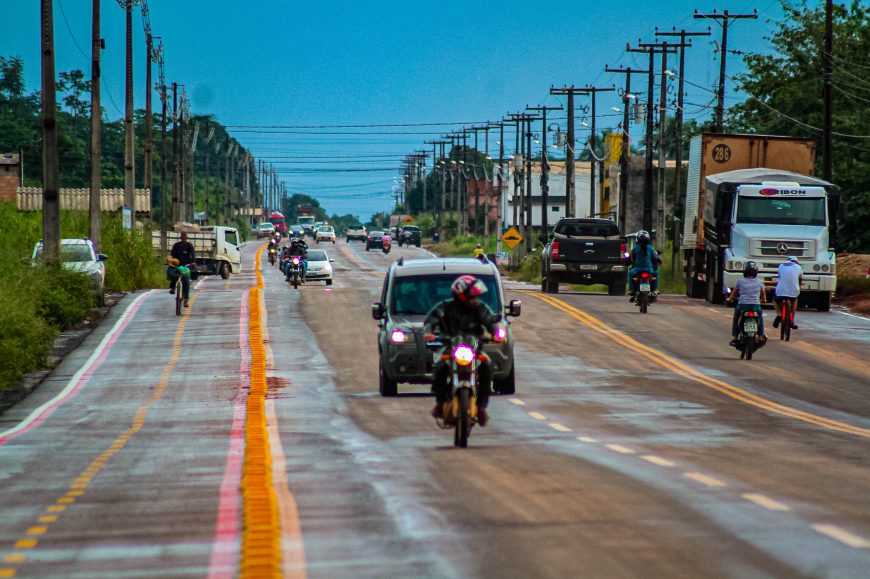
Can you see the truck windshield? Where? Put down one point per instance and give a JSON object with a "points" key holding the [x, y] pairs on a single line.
{"points": [[417, 295], [306, 220], [806, 211]]}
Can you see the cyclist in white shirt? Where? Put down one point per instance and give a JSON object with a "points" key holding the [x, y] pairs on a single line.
{"points": [[788, 287]]}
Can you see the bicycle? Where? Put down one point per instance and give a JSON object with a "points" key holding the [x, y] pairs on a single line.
{"points": [[181, 272], [786, 317]]}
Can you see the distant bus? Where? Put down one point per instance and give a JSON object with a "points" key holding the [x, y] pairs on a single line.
{"points": [[276, 218]]}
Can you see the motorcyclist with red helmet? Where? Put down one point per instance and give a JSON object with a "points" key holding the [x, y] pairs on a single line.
{"points": [[464, 314]]}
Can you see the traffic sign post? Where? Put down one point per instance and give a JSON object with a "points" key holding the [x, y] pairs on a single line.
{"points": [[512, 237]]}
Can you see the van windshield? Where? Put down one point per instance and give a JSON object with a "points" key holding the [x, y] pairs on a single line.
{"points": [[419, 294], [806, 211]]}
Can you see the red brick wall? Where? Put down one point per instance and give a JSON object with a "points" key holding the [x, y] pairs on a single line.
{"points": [[8, 181]]}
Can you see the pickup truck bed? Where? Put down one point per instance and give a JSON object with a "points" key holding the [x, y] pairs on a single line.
{"points": [[585, 251]]}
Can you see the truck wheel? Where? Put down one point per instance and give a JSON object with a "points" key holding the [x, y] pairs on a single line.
{"points": [[387, 387], [616, 287], [225, 271], [551, 284], [508, 385], [823, 302]]}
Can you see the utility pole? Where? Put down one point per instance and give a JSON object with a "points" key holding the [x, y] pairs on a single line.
{"points": [[828, 74], [148, 170], [129, 130], [175, 149], [624, 168], [679, 193], [725, 17], [651, 49], [545, 170], [500, 196], [593, 137], [570, 179], [94, 208], [50, 162]]}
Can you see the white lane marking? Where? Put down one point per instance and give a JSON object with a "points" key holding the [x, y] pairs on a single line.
{"points": [[537, 416], [199, 283], [853, 316], [620, 449], [766, 502], [96, 359], [657, 460], [586, 439], [559, 427], [517, 401], [843, 536], [704, 479]]}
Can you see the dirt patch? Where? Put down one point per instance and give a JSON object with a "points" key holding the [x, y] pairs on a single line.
{"points": [[853, 264], [859, 304]]}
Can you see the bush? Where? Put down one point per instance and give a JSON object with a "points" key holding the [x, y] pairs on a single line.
{"points": [[63, 297], [852, 285], [132, 263], [529, 269]]}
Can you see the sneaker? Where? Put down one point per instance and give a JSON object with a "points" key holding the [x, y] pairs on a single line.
{"points": [[482, 416], [438, 411], [776, 322], [733, 343], [793, 326], [186, 304], [631, 299], [172, 290]]}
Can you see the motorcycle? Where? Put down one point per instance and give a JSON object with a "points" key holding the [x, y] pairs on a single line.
{"points": [[644, 296], [294, 274], [386, 243], [748, 340], [272, 256], [464, 355]]}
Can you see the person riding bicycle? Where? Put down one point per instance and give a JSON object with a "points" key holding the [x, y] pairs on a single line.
{"points": [[185, 255], [478, 251], [464, 314], [749, 293], [644, 258], [788, 287], [299, 250]]}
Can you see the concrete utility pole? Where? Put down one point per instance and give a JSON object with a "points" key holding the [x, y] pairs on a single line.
{"points": [[545, 170], [175, 149], [94, 209], [827, 95], [725, 17], [50, 162], [624, 166], [651, 49], [164, 197], [570, 179], [148, 170], [593, 138], [679, 193], [129, 130]]}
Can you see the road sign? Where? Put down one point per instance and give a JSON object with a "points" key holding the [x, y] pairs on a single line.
{"points": [[512, 237]]}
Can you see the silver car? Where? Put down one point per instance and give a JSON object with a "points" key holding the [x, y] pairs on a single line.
{"points": [[319, 266], [80, 255], [411, 290]]}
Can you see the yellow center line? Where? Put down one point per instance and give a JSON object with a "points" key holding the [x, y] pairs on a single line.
{"points": [[77, 488], [687, 371]]}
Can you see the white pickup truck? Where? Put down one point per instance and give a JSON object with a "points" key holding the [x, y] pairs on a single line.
{"points": [[217, 249]]}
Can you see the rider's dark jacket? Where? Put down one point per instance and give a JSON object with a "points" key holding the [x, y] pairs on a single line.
{"points": [[455, 317], [183, 251]]}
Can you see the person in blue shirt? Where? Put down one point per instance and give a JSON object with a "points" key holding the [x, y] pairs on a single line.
{"points": [[749, 293], [644, 258]]}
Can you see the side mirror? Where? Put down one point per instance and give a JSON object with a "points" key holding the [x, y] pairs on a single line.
{"points": [[102, 257], [377, 311], [331, 260], [514, 308]]}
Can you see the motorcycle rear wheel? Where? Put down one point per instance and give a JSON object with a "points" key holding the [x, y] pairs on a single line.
{"points": [[747, 349], [460, 437], [643, 301]]}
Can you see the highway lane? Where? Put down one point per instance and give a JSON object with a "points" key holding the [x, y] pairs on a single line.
{"points": [[604, 464]]}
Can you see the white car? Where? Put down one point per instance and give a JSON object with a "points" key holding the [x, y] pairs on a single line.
{"points": [[325, 233], [319, 266], [265, 230], [357, 231], [80, 255]]}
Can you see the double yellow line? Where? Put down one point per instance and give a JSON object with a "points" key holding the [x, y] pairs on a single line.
{"points": [[261, 532], [686, 371]]}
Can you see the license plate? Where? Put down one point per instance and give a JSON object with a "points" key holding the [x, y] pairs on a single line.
{"points": [[588, 266], [644, 287], [750, 328]]}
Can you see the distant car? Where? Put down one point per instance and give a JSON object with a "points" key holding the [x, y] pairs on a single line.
{"points": [[324, 233], [411, 290], [319, 266], [410, 235], [375, 240], [296, 232], [264, 230], [80, 255], [356, 231]]}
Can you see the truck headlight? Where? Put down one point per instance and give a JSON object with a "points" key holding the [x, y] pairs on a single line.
{"points": [[738, 265], [825, 267], [817, 268]]}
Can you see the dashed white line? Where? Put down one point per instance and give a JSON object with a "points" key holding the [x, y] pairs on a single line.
{"points": [[843, 536], [517, 401], [657, 460], [620, 449], [766, 502], [559, 427], [704, 479], [537, 416], [586, 439]]}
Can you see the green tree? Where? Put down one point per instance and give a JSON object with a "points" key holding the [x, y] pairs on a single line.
{"points": [[785, 98]]}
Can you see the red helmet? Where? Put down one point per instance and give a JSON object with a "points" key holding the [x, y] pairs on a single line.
{"points": [[467, 286]]}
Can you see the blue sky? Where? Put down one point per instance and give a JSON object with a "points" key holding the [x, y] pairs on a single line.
{"points": [[280, 62]]}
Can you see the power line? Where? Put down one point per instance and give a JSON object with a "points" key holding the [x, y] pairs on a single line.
{"points": [[369, 126]]}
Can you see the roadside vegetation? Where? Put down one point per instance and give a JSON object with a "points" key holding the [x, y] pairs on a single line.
{"points": [[37, 303]]}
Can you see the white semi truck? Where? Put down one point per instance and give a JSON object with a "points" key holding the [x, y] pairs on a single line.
{"points": [[218, 251]]}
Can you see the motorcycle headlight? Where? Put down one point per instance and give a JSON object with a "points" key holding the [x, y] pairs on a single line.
{"points": [[295, 261], [463, 355]]}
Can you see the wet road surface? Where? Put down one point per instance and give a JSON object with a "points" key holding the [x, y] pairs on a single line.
{"points": [[635, 446]]}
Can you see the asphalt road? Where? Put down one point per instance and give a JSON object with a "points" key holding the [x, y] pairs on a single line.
{"points": [[635, 446]]}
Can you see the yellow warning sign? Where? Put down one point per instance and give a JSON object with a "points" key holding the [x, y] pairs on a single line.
{"points": [[512, 237]]}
